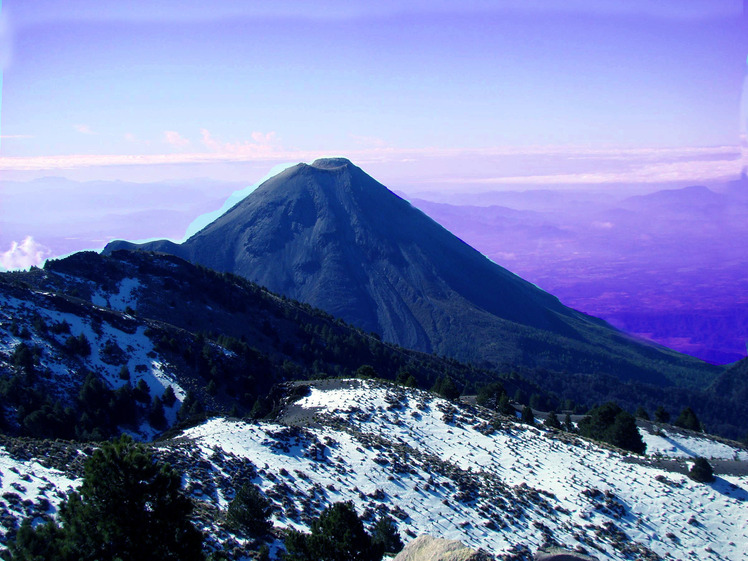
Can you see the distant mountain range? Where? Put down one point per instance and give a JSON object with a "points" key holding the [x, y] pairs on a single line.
{"points": [[330, 235], [668, 266]]}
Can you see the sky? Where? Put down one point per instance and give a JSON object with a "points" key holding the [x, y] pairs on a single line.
{"points": [[425, 95]]}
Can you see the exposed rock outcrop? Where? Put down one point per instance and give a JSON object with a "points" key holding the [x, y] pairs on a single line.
{"points": [[427, 548]]}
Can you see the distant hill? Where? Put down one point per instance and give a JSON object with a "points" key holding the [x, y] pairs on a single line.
{"points": [[79, 338], [668, 266], [330, 235]]}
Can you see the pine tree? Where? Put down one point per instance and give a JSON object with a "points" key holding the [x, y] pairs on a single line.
{"points": [[701, 471], [385, 536], [249, 512], [612, 424], [169, 397], [129, 508], [156, 415], [504, 406], [641, 413], [366, 372], [446, 388], [142, 392], [527, 415], [568, 424], [552, 421], [337, 535], [688, 420], [661, 415]]}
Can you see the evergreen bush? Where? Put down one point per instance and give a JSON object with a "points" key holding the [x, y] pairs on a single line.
{"points": [[701, 471], [129, 508]]}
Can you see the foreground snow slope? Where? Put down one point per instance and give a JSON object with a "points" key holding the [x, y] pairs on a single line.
{"points": [[447, 469], [453, 471]]}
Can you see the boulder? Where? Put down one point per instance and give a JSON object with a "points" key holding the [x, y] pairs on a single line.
{"points": [[427, 548]]}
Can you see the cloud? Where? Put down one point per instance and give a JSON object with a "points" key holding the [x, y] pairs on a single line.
{"points": [[25, 254], [261, 144], [368, 141], [83, 129], [130, 137], [263, 138], [175, 139], [560, 164], [209, 142], [660, 172]]}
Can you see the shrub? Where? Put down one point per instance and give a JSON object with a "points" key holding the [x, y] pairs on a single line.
{"points": [[701, 471], [612, 424], [249, 512], [337, 535]]}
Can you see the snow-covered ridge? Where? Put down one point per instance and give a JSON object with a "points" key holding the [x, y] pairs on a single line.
{"points": [[450, 471], [458, 472], [112, 345]]}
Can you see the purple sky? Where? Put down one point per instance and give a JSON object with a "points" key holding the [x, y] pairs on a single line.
{"points": [[171, 81], [426, 96]]}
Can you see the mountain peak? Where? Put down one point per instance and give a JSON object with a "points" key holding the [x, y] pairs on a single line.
{"points": [[332, 236], [331, 163]]}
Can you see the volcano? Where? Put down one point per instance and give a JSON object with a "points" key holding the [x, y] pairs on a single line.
{"points": [[329, 235]]}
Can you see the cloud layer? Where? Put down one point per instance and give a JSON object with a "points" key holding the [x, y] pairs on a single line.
{"points": [[25, 254], [544, 164]]}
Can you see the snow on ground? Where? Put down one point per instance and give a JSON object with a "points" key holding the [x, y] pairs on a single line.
{"points": [[444, 471], [677, 444], [125, 297], [139, 354], [134, 350], [28, 488]]}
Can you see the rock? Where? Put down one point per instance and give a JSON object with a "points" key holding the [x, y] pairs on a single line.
{"points": [[561, 554], [427, 548]]}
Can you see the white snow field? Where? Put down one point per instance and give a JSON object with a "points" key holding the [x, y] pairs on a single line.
{"points": [[447, 469], [441, 468], [678, 444], [133, 349], [29, 489]]}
